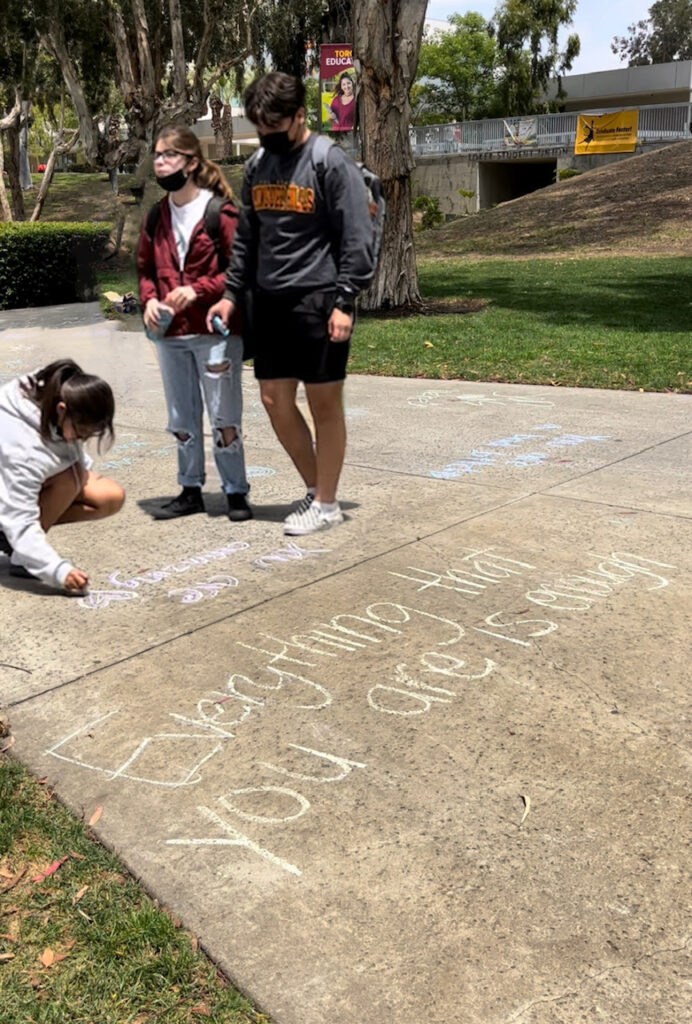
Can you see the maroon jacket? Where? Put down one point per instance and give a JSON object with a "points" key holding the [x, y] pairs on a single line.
{"points": [[159, 269]]}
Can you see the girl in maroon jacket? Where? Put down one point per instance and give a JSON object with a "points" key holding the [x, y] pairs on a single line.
{"points": [[181, 274]]}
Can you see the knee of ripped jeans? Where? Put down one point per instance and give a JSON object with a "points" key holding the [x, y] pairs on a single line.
{"points": [[218, 369], [182, 437], [233, 443]]}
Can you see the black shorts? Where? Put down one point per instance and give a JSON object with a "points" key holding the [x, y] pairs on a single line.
{"points": [[291, 338]]}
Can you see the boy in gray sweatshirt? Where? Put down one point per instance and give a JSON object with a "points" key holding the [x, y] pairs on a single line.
{"points": [[304, 247]]}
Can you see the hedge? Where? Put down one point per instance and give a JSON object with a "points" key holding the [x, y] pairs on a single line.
{"points": [[49, 263]]}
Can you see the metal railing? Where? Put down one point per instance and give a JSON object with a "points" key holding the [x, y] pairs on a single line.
{"points": [[665, 123]]}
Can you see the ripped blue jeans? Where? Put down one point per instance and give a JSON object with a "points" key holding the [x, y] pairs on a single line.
{"points": [[210, 366]]}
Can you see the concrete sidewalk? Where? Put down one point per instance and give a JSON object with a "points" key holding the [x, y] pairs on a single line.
{"points": [[429, 766]]}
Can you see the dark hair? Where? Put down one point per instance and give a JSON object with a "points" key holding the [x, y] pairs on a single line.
{"points": [[344, 74], [88, 400], [273, 97], [206, 174]]}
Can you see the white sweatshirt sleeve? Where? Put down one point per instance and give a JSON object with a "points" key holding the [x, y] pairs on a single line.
{"points": [[22, 527]]}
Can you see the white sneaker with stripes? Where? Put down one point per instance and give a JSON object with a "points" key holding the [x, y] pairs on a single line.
{"points": [[311, 519]]}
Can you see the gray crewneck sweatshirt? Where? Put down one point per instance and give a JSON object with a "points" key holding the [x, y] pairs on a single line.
{"points": [[297, 238], [26, 462]]}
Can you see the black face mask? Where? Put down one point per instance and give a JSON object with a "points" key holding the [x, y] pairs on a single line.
{"points": [[277, 142], [172, 182]]}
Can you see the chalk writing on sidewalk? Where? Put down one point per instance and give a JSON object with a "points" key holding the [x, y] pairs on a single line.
{"points": [[130, 588], [426, 661], [503, 451], [439, 676], [431, 397], [135, 449]]}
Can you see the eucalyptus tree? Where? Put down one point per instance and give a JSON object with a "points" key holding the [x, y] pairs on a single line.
{"points": [[664, 36], [530, 50], [386, 42]]}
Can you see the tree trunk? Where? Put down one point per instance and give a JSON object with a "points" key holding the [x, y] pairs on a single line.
{"points": [[59, 148], [5, 208], [12, 136], [387, 37], [24, 168], [227, 132], [53, 41]]}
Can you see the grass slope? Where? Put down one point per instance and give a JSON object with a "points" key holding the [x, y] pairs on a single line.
{"points": [[640, 205]]}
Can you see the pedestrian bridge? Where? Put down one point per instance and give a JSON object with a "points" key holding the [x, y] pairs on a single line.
{"points": [[539, 132], [474, 165]]}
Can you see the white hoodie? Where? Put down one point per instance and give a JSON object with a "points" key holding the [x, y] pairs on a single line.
{"points": [[26, 462]]}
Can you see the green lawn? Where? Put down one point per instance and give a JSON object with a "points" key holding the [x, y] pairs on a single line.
{"points": [[604, 323], [600, 322], [85, 945]]}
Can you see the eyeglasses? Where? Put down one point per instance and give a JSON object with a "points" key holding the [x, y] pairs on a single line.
{"points": [[168, 154]]}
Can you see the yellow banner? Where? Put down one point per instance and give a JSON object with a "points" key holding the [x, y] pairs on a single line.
{"points": [[607, 133]]}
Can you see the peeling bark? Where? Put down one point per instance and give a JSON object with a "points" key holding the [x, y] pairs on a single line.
{"points": [[227, 131], [387, 37], [12, 165], [178, 51], [6, 124], [61, 146]]}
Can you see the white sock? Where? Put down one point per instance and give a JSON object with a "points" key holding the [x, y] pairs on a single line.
{"points": [[311, 490], [327, 506]]}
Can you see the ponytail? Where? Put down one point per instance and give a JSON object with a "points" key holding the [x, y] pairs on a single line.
{"points": [[209, 175]]}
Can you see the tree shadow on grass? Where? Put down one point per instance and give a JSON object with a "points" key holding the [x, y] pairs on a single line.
{"points": [[637, 299]]}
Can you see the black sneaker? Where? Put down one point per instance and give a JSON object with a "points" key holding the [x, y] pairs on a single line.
{"points": [[238, 508], [187, 503], [5, 546]]}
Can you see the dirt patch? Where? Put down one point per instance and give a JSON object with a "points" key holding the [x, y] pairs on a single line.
{"points": [[639, 206]]}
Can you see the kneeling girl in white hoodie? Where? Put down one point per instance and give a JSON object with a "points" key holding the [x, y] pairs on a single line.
{"points": [[45, 474]]}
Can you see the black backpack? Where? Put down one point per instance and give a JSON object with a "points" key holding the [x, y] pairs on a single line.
{"points": [[212, 218]]}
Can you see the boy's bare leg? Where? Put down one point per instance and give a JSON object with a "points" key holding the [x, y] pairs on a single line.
{"points": [[327, 408], [279, 399]]}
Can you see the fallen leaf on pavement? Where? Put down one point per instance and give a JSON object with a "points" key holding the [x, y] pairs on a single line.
{"points": [[95, 816], [527, 806]]}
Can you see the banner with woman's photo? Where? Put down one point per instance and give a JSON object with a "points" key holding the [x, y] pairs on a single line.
{"points": [[337, 87]]}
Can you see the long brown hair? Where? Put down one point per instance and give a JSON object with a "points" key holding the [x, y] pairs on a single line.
{"points": [[88, 399], [207, 174]]}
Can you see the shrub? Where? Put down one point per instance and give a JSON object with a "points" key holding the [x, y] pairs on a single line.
{"points": [[430, 207], [230, 161], [567, 172], [49, 263]]}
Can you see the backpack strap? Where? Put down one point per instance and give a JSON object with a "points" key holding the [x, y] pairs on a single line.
{"points": [[320, 158], [212, 222], [153, 219]]}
